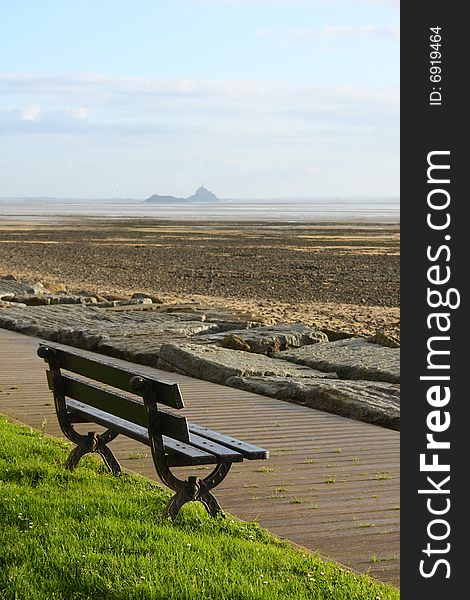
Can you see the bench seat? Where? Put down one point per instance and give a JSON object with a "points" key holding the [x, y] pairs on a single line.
{"points": [[199, 450]]}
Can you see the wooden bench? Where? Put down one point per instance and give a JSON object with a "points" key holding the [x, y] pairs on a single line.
{"points": [[173, 441]]}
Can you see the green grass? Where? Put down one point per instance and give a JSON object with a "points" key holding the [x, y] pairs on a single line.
{"points": [[297, 501], [86, 534], [382, 475], [137, 455]]}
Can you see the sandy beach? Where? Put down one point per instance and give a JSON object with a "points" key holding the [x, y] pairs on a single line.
{"points": [[340, 276]]}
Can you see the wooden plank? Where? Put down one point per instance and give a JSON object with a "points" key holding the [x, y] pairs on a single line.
{"points": [[249, 451], [185, 453], [113, 403], [222, 452], [100, 417], [105, 371]]}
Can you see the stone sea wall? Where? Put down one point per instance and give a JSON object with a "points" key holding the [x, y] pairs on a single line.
{"points": [[350, 376]]}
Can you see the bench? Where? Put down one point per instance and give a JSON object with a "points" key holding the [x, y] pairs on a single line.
{"points": [[96, 396]]}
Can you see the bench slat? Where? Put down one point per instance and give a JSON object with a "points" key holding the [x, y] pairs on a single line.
{"points": [[140, 432], [85, 412], [249, 451], [183, 453], [118, 377], [222, 452], [130, 410]]}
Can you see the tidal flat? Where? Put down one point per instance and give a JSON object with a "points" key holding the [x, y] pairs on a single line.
{"points": [[333, 275]]}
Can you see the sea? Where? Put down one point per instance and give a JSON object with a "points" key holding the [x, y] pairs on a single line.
{"points": [[316, 208]]}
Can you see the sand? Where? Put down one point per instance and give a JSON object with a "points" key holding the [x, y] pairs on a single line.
{"points": [[340, 276]]}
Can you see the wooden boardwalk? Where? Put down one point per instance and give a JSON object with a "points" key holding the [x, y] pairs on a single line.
{"points": [[331, 484]]}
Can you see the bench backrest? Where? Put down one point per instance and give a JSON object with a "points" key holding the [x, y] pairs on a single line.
{"points": [[106, 374]]}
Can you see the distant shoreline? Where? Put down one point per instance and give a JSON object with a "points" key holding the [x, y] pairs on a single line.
{"points": [[215, 219], [383, 210]]}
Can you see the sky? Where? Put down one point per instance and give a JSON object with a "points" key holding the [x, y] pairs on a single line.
{"points": [[252, 98]]}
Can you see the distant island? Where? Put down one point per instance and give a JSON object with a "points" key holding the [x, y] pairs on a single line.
{"points": [[202, 194], [159, 198]]}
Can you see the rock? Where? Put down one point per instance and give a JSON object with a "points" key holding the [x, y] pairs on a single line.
{"points": [[6, 304], [9, 278], [334, 335], [107, 303], [130, 302], [351, 359], [104, 322], [226, 319], [225, 324], [216, 364], [384, 340], [372, 402], [268, 339], [89, 300], [232, 319], [190, 307], [87, 340], [31, 300], [69, 299], [38, 288], [46, 299], [235, 342], [220, 345], [140, 349], [138, 295], [113, 297], [134, 306], [13, 286]]}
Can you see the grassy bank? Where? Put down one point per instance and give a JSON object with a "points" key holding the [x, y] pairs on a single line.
{"points": [[88, 534]]}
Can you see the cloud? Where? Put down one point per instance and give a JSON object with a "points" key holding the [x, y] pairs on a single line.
{"points": [[78, 113], [106, 90], [201, 112], [256, 137], [311, 170], [34, 118], [97, 88], [30, 113]]}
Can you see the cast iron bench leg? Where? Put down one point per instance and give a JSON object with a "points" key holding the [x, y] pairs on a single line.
{"points": [[196, 489], [93, 442]]}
